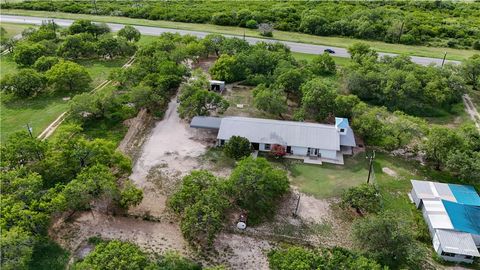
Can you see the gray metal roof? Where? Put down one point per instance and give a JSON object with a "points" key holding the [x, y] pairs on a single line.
{"points": [[290, 133], [206, 122], [457, 242], [348, 139], [432, 190]]}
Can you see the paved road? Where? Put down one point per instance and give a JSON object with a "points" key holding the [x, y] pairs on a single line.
{"points": [[156, 31]]}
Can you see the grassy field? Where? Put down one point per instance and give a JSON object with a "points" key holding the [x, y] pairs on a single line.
{"points": [[40, 111], [452, 54], [14, 29], [328, 180], [340, 61]]}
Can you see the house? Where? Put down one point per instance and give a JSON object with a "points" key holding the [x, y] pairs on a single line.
{"points": [[452, 213], [314, 143]]}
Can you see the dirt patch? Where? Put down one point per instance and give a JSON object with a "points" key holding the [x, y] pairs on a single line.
{"points": [[135, 136], [241, 251], [151, 236], [389, 171]]}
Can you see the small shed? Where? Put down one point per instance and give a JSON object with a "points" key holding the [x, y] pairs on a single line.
{"points": [[217, 86]]}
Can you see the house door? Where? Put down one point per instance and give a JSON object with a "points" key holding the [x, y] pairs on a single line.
{"points": [[289, 149], [313, 152]]}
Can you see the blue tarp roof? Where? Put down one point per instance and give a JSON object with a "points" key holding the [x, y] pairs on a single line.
{"points": [[465, 194], [464, 218]]}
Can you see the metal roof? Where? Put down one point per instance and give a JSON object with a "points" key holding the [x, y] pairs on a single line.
{"points": [[457, 242], [436, 214], [465, 218], [465, 194], [348, 139], [206, 122], [341, 122], [290, 133], [432, 190]]}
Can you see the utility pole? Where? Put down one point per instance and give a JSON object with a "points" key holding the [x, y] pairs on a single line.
{"points": [[401, 31], [29, 128], [444, 56], [243, 34], [370, 165]]}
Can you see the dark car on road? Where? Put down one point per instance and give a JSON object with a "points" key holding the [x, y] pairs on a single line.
{"points": [[329, 51]]}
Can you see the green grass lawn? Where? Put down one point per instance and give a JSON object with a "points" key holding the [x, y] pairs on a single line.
{"points": [[40, 111], [455, 118], [328, 180], [437, 52], [14, 29], [340, 61]]}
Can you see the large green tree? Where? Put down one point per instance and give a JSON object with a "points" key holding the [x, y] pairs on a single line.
{"points": [[26, 53], [270, 100], [237, 147], [389, 239], [130, 33], [25, 83], [202, 102], [318, 100], [471, 71], [256, 186], [68, 76]]}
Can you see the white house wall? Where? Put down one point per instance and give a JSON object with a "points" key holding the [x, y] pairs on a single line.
{"points": [[328, 154], [299, 151]]}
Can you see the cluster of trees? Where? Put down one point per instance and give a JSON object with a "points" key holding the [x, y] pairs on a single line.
{"points": [[116, 254], [399, 84], [44, 56], [454, 150], [158, 71], [66, 174], [298, 258], [394, 22], [196, 98], [364, 198], [83, 39], [203, 199]]}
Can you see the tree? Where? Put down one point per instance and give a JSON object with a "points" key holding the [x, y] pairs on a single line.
{"points": [[22, 149], [322, 64], [237, 147], [3, 36], [471, 71], [213, 43], [16, 248], [252, 24], [130, 195], [75, 46], [130, 33], [256, 186], [25, 83], [388, 239], [26, 53], [45, 63], [298, 258], [269, 100], [201, 203], [226, 68], [86, 26], [172, 260], [202, 102], [344, 105], [290, 81], [367, 122], [318, 100], [113, 255], [265, 29], [68, 76], [439, 143], [361, 51], [91, 183], [364, 198]]}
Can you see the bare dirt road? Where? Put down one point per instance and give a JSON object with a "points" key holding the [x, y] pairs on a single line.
{"points": [[471, 110]]}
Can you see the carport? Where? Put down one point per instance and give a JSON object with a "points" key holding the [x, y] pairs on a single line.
{"points": [[207, 122]]}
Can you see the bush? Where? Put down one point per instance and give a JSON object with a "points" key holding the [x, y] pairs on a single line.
{"points": [[265, 29], [476, 45], [45, 63], [251, 24], [237, 147], [25, 83], [363, 198]]}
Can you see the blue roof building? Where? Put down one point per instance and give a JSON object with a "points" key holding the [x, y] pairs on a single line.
{"points": [[452, 213]]}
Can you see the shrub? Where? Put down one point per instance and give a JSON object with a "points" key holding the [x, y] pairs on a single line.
{"points": [[251, 24], [266, 29], [363, 198], [237, 147], [476, 45]]}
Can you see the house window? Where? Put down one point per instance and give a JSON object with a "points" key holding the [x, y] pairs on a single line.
{"points": [[222, 142], [468, 257], [267, 146], [342, 130]]}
